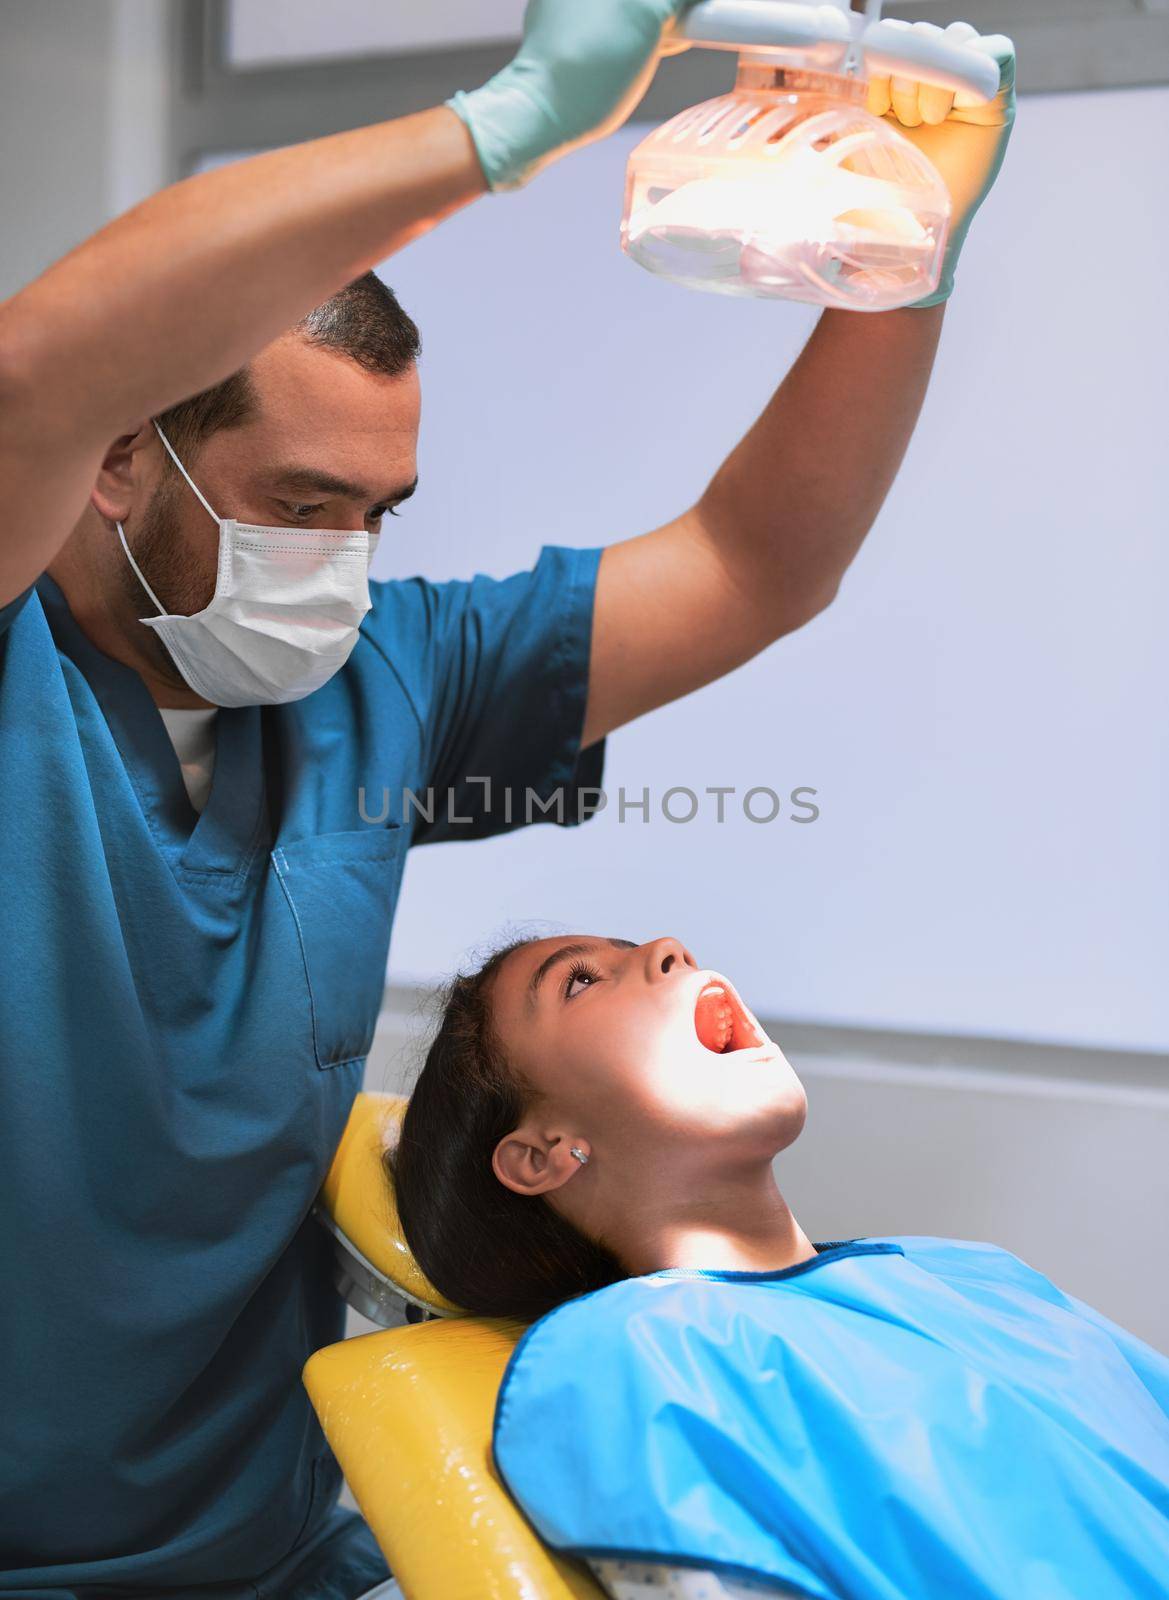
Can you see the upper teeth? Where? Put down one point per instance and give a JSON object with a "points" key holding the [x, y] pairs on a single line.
{"points": [[725, 1019], [723, 1024]]}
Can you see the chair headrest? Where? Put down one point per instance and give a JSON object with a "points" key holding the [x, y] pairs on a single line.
{"points": [[359, 1205]]}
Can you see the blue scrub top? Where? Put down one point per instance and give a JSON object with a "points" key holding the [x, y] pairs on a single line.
{"points": [[186, 1002]]}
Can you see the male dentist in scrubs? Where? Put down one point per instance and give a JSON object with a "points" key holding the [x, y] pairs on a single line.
{"points": [[201, 427]]}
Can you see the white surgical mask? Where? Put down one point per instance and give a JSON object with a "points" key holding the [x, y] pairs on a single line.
{"points": [[284, 617]]}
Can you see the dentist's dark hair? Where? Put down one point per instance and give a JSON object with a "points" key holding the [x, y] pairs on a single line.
{"points": [[486, 1248], [362, 321]]}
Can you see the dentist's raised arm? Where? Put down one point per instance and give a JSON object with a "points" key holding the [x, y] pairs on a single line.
{"points": [[184, 289], [765, 548]]}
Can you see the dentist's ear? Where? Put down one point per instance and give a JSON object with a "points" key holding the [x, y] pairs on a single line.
{"points": [[530, 1162], [120, 479]]}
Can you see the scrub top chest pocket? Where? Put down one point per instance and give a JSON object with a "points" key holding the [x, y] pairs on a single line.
{"points": [[342, 889]]}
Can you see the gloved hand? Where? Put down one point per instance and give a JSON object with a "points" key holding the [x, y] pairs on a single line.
{"points": [[582, 67], [965, 140]]}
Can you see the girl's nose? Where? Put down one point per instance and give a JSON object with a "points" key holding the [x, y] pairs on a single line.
{"points": [[666, 956]]}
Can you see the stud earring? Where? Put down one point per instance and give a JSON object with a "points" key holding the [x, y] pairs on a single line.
{"points": [[580, 1155]]}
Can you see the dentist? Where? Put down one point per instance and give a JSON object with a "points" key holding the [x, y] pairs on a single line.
{"points": [[206, 410]]}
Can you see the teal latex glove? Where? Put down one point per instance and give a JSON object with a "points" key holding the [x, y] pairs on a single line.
{"points": [[582, 67], [965, 140]]}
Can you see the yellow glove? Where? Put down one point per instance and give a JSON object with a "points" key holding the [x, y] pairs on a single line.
{"points": [[964, 138]]}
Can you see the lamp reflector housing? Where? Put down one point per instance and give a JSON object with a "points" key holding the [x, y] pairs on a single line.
{"points": [[788, 188]]}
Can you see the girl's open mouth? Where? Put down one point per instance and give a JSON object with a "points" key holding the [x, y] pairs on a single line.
{"points": [[721, 1021]]}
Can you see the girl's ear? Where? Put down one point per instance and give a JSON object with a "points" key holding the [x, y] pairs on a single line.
{"points": [[529, 1162]]}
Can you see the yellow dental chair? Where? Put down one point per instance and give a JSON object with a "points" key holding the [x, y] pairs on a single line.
{"points": [[408, 1411]]}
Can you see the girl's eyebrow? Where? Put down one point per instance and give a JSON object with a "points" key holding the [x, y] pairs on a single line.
{"points": [[565, 953]]}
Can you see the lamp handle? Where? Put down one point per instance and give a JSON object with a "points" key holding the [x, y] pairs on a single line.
{"points": [[889, 46], [739, 24], [893, 47]]}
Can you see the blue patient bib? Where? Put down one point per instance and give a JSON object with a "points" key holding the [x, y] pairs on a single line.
{"points": [[894, 1419]]}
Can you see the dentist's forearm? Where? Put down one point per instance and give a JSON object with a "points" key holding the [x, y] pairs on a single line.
{"points": [[791, 505], [184, 289]]}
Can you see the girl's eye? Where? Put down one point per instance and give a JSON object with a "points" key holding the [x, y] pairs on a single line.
{"points": [[579, 969]]}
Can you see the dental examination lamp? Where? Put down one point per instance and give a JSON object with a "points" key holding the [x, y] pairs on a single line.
{"points": [[788, 188]]}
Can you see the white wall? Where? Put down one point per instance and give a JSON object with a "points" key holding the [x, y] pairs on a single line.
{"points": [[83, 96], [982, 711], [261, 34]]}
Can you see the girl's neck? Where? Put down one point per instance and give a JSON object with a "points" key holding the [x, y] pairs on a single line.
{"points": [[744, 1225]]}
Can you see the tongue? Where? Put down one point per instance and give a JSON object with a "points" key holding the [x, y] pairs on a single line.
{"points": [[709, 1020]]}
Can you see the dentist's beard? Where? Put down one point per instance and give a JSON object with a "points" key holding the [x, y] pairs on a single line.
{"points": [[183, 580]]}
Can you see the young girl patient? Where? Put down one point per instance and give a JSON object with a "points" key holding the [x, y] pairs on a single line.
{"points": [[717, 1406]]}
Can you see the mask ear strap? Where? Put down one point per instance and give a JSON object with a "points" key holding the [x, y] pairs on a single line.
{"points": [[138, 570], [190, 480]]}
